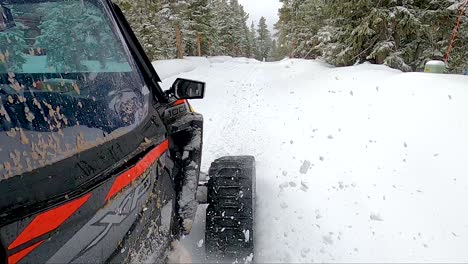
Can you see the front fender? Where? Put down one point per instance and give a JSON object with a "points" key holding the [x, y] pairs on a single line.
{"points": [[185, 130]]}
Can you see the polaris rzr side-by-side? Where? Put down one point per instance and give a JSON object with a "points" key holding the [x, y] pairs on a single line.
{"points": [[97, 163]]}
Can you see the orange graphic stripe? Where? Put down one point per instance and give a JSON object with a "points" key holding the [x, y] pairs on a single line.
{"points": [[48, 221], [15, 258], [136, 171]]}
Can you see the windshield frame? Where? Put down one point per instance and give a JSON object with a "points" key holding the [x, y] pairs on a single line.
{"points": [[137, 52]]}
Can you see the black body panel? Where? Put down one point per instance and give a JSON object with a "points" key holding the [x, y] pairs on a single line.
{"points": [[73, 176], [98, 229]]}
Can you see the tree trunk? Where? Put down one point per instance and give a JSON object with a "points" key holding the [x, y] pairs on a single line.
{"points": [[199, 44], [180, 52]]}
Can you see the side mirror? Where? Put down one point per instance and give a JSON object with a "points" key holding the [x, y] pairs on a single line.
{"points": [[188, 89]]}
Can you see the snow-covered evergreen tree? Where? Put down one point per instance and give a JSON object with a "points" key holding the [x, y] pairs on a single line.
{"points": [[306, 19], [88, 31], [239, 33], [264, 40], [13, 45], [152, 23], [253, 36], [284, 29], [403, 34], [199, 16], [274, 51]]}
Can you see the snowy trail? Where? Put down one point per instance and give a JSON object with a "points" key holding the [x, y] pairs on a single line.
{"points": [[357, 164]]}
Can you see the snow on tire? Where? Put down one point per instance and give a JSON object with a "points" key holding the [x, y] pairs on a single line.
{"points": [[230, 214]]}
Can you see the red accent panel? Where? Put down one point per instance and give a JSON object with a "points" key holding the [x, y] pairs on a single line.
{"points": [[48, 221], [178, 102], [136, 171], [13, 259]]}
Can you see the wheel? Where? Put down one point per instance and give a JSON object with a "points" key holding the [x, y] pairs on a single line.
{"points": [[229, 235]]}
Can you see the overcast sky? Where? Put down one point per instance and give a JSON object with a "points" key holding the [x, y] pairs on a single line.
{"points": [[259, 8]]}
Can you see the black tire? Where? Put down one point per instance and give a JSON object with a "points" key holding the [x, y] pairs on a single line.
{"points": [[229, 235]]}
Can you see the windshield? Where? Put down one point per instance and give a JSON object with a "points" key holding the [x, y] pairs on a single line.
{"points": [[66, 83]]}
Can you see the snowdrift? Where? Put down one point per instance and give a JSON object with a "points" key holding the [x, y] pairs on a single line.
{"points": [[220, 59], [245, 60], [199, 61], [168, 68]]}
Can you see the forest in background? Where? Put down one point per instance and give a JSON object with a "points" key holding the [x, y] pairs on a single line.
{"points": [[170, 29], [403, 34]]}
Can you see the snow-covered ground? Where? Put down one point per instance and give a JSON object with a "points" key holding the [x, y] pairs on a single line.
{"points": [[355, 164]]}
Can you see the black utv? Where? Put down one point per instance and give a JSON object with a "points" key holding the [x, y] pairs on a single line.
{"points": [[97, 163]]}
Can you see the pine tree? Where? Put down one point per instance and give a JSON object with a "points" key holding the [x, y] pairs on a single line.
{"points": [[13, 45], [214, 43], [239, 29], [224, 22], [249, 51], [274, 51], [236, 27], [308, 17], [163, 39], [243, 35], [264, 40], [91, 37], [151, 22], [199, 16], [253, 38], [284, 28]]}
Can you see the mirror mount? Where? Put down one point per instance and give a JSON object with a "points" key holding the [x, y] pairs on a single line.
{"points": [[170, 92]]}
